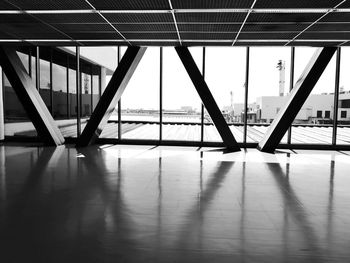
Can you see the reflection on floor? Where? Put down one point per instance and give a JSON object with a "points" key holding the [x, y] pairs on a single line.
{"points": [[170, 204]]}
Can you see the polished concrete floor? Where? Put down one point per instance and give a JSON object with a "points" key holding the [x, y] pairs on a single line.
{"points": [[170, 204]]}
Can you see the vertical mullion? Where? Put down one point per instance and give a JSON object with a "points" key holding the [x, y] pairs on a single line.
{"points": [[37, 69], [100, 84], [291, 84], [67, 80], [246, 97], [119, 105], [202, 107], [51, 85], [92, 91], [78, 91], [30, 62], [336, 98], [160, 93]]}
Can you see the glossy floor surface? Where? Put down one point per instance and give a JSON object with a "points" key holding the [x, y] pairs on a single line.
{"points": [[170, 204]]}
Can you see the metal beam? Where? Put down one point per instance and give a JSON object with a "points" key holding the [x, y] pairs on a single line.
{"points": [[291, 84], [336, 97], [78, 90], [207, 98], [111, 95], [246, 89], [29, 96], [297, 98]]}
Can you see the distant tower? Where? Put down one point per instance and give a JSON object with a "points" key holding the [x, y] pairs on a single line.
{"points": [[231, 94], [282, 69]]}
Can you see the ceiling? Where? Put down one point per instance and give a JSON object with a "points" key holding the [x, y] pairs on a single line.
{"points": [[176, 22]]}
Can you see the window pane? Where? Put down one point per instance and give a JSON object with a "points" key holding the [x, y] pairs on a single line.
{"points": [[313, 125], [15, 117], [181, 102], [59, 87], [45, 82], [343, 129], [268, 88], [111, 130], [85, 90], [140, 100], [72, 97], [225, 76], [95, 86]]}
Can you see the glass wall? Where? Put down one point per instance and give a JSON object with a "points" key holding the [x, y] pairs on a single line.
{"points": [[343, 129], [59, 86], [114, 128], [45, 82], [15, 117], [96, 73], [86, 90], [225, 74], [268, 88], [140, 100], [225, 71], [181, 102], [57, 89], [314, 122]]}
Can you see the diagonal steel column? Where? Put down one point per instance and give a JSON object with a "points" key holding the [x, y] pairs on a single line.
{"points": [[207, 98], [297, 98], [29, 96], [111, 95]]}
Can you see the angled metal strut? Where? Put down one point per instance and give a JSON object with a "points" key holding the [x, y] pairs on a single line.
{"points": [[297, 98], [111, 95], [207, 98], [30, 98]]}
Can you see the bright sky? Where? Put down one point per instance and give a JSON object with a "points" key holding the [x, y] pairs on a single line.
{"points": [[225, 72]]}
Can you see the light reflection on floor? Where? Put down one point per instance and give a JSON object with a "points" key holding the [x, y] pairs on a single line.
{"points": [[173, 204]]}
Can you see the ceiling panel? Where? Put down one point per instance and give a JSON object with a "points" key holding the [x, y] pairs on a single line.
{"points": [[283, 17], [82, 27], [210, 27], [208, 36], [198, 4], [266, 35], [155, 43], [131, 4], [314, 44], [296, 4], [6, 6], [93, 35], [146, 27], [210, 17], [345, 4], [336, 17], [50, 4], [139, 18], [258, 44], [71, 18], [169, 35], [330, 27], [323, 35], [292, 27], [208, 44], [26, 31], [4, 35], [17, 18]]}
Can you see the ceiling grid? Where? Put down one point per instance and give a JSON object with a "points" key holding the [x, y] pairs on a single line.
{"points": [[176, 22]]}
